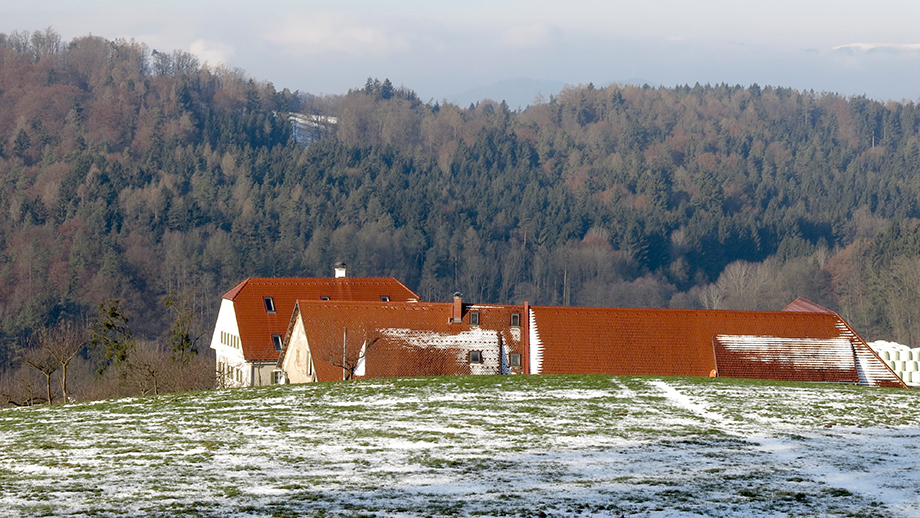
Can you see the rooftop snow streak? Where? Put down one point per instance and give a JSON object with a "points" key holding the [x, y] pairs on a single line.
{"points": [[805, 342], [786, 359]]}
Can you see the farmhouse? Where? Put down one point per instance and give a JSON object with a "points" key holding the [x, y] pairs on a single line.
{"points": [[254, 317], [300, 330], [332, 341], [329, 340]]}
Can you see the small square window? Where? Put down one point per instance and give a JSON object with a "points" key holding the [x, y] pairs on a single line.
{"points": [[514, 359], [516, 319], [474, 318], [277, 342], [475, 356], [384, 298], [269, 304]]}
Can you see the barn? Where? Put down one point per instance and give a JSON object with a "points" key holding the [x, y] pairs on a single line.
{"points": [[329, 340]]}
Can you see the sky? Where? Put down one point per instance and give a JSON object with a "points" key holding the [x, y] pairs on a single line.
{"points": [[448, 50]]}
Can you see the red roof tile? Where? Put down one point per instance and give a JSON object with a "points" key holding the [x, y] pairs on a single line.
{"points": [[415, 339], [257, 325], [806, 306], [683, 342], [788, 359]]}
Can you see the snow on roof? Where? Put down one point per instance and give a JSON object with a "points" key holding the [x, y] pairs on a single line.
{"points": [[793, 359], [416, 339], [801, 343]]}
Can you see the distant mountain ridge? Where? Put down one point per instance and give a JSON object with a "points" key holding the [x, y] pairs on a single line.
{"points": [[523, 92]]}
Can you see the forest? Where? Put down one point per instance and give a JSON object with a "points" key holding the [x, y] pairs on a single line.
{"points": [[146, 182]]}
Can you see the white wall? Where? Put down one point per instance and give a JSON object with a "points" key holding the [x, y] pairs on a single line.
{"points": [[298, 363]]}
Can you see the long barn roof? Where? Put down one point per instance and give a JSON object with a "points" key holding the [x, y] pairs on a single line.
{"points": [[803, 343]]}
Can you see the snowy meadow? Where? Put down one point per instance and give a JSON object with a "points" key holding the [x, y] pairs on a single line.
{"points": [[467, 446]]}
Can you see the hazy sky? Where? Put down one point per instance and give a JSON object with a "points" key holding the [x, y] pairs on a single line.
{"points": [[440, 48]]}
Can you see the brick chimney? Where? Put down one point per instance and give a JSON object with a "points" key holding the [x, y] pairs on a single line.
{"points": [[339, 269], [456, 310]]}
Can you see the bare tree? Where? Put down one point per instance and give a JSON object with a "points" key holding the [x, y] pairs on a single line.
{"points": [[147, 366], [351, 355], [18, 387], [41, 360], [62, 343]]}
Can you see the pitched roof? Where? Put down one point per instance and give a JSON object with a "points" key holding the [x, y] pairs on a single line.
{"points": [[806, 306], [414, 339], [804, 345], [787, 359], [257, 325]]}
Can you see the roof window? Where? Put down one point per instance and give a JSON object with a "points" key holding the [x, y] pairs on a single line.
{"points": [[269, 304], [474, 318], [475, 356], [514, 359], [277, 342], [516, 320], [384, 298], [324, 297]]}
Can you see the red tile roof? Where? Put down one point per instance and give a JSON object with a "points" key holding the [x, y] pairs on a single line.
{"points": [[786, 359], [257, 325], [415, 339], [806, 306], [804, 345]]}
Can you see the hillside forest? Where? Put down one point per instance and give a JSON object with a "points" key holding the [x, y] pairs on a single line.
{"points": [[138, 186]]}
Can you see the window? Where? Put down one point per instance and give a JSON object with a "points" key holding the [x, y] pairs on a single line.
{"points": [[324, 297], [475, 356], [514, 359], [516, 319], [474, 318], [384, 298], [269, 304], [277, 377], [277, 342]]}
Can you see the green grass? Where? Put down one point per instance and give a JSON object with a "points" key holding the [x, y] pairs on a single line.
{"points": [[472, 446]]}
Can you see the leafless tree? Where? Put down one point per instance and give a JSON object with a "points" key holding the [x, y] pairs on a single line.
{"points": [[62, 343], [147, 366], [19, 387], [41, 360], [351, 354]]}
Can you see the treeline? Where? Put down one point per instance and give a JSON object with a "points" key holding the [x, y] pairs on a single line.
{"points": [[130, 173]]}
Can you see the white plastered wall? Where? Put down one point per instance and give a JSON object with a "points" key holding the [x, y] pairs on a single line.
{"points": [[298, 363], [226, 355]]}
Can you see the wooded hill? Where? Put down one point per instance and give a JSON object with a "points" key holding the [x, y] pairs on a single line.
{"points": [[129, 173]]}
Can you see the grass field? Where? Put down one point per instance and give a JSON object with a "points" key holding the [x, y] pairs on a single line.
{"points": [[473, 446]]}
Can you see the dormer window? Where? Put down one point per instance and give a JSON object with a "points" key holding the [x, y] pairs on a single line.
{"points": [[474, 318], [515, 320], [269, 304], [277, 342]]}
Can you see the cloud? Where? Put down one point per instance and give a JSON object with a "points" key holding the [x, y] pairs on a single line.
{"points": [[212, 52], [878, 47], [524, 37], [332, 32]]}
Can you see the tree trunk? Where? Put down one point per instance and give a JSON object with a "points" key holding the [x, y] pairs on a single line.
{"points": [[64, 382], [48, 384]]}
